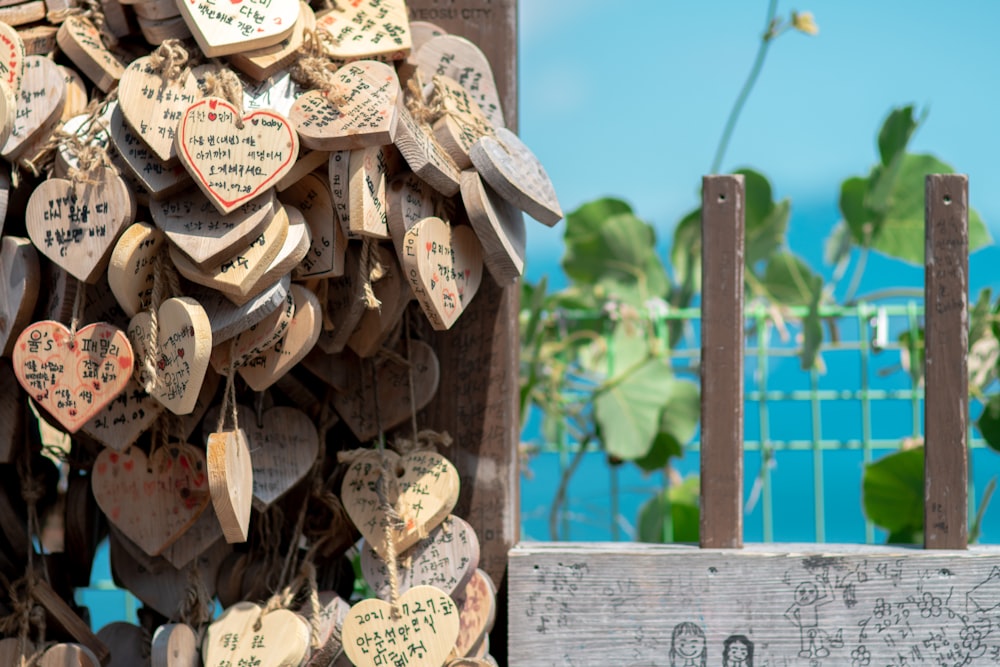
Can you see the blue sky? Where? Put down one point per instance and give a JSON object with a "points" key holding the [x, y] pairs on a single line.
{"points": [[629, 99]]}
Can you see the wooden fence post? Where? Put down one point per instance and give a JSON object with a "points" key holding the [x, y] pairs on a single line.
{"points": [[722, 241], [946, 398]]}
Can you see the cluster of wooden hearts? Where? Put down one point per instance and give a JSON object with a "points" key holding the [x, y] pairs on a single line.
{"points": [[191, 251]]}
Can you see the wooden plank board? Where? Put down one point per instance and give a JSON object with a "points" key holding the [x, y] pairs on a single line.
{"points": [[722, 233], [817, 605], [946, 403]]}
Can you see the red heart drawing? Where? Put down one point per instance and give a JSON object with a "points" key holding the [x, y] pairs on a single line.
{"points": [[211, 116]]}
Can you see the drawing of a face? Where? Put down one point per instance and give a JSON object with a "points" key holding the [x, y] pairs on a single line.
{"points": [[737, 653], [690, 646], [806, 593]]}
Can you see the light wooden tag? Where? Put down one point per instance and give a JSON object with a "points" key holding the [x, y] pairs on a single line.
{"points": [[410, 201], [207, 238], [73, 380], [254, 340], [23, 13], [127, 644], [499, 226], [463, 61], [152, 501], [228, 319], [423, 31], [376, 324], [230, 475], [477, 613], [376, 29], [184, 345], [174, 645], [20, 275], [427, 492], [278, 92], [153, 105], [12, 57], [159, 179], [463, 122], [339, 173], [426, 158], [444, 266], [263, 371], [39, 40], [369, 168], [356, 405], [325, 258], [516, 174], [39, 103], [333, 611], [130, 269], [422, 636], [359, 111], [158, 31], [125, 418], [280, 640], [307, 162], [262, 63], [221, 30], [239, 273], [447, 559], [68, 655], [76, 93], [76, 226], [229, 163], [81, 41]]}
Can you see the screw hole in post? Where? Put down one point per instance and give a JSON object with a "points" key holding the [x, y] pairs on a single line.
{"points": [[722, 198], [947, 200]]}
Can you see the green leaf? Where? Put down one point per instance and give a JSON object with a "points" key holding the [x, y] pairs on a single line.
{"points": [[837, 248], [852, 207], [812, 335], [671, 515], [665, 446], [790, 282], [627, 410], [766, 221], [896, 131], [678, 424], [989, 422], [893, 491]]}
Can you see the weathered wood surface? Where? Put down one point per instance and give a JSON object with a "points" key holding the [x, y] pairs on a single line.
{"points": [[817, 605], [946, 402], [722, 232]]}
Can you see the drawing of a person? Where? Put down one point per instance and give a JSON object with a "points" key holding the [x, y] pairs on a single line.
{"points": [[687, 646], [804, 613], [737, 651]]}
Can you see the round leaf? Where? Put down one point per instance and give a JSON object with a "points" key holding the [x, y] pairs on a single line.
{"points": [[893, 491]]}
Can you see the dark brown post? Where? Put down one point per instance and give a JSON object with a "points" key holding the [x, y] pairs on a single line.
{"points": [[946, 399], [722, 240]]}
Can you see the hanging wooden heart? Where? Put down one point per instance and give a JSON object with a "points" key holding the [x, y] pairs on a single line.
{"points": [[423, 635], [125, 418], [224, 29], [12, 57], [410, 201], [76, 226], [444, 265], [80, 40], [359, 111], [385, 34], [477, 612], [131, 267], [160, 179], [73, 378], [462, 123], [230, 474], [424, 155], [424, 31], [463, 61], [325, 258], [174, 645], [254, 340], [39, 103], [244, 634], [446, 559], [263, 371], [19, 279], [369, 169], [152, 104], [234, 159], [184, 344], [151, 500], [204, 541], [228, 319], [499, 225], [427, 492], [377, 324]]}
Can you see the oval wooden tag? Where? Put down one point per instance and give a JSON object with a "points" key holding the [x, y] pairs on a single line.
{"points": [[230, 475], [410, 201], [174, 645]]}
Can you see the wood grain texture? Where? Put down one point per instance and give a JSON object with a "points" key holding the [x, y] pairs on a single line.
{"points": [[614, 604], [722, 230], [62, 619], [946, 402], [230, 478]]}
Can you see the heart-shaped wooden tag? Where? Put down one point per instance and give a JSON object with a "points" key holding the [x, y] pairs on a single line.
{"points": [[125, 418], [263, 371], [338, 170], [151, 500], [311, 195], [232, 160], [81, 41], [160, 179], [127, 644], [444, 265], [228, 319], [359, 111], [222, 30], [254, 340], [384, 32], [463, 61], [73, 378], [423, 31], [207, 238], [423, 635], [424, 155], [356, 405], [369, 169], [77, 96], [204, 541], [463, 122], [152, 104], [244, 634], [12, 57], [376, 324], [174, 645], [332, 611], [447, 558], [499, 226], [410, 201], [477, 612], [262, 63], [68, 655], [39, 103], [184, 344], [230, 475], [516, 174], [76, 226], [427, 492], [19, 279], [131, 267]]}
